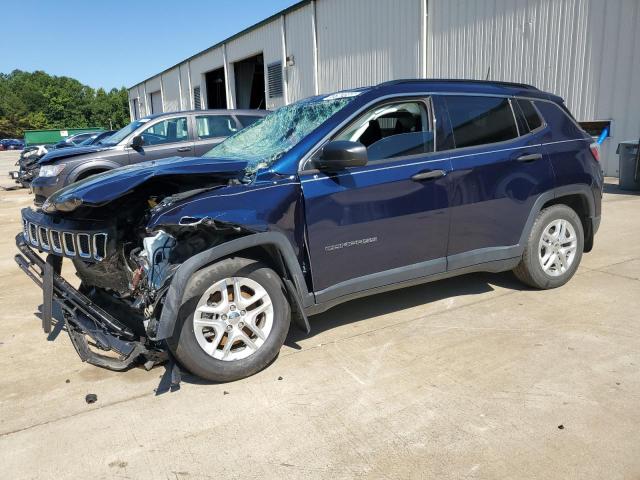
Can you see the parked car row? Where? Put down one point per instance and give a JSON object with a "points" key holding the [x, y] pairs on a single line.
{"points": [[28, 163], [177, 134], [209, 259], [11, 144]]}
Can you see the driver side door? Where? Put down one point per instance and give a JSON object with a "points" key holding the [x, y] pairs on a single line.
{"points": [[385, 222], [166, 138]]}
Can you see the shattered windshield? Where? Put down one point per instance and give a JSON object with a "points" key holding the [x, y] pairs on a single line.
{"points": [[267, 140]]}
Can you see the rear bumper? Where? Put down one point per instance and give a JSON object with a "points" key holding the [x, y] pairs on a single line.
{"points": [[84, 320]]}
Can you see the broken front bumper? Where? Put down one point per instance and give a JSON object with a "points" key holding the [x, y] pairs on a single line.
{"points": [[92, 330]]}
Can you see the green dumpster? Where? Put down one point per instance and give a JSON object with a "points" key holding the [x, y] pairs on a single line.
{"points": [[51, 136]]}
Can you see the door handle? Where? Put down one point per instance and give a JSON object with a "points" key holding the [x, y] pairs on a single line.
{"points": [[428, 175], [184, 149], [529, 157]]}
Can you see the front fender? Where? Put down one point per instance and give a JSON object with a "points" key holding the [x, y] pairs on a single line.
{"points": [[81, 168], [175, 295]]}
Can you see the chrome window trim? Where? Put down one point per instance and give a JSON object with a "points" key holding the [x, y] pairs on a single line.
{"points": [[316, 178], [428, 106], [543, 122], [312, 151], [515, 119]]}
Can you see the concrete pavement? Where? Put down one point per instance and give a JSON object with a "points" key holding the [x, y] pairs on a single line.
{"points": [[472, 377]]}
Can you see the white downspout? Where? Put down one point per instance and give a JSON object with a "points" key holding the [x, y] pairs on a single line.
{"points": [[314, 34], [424, 25], [285, 82], [162, 93], [180, 88], [191, 99], [230, 101]]}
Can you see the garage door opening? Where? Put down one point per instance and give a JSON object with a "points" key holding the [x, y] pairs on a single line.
{"points": [[156, 102], [249, 75], [216, 89]]}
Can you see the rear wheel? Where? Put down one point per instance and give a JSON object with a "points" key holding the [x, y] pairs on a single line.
{"points": [[554, 248], [233, 320]]}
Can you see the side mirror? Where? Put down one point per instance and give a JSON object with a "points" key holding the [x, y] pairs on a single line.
{"points": [[341, 154], [137, 142]]}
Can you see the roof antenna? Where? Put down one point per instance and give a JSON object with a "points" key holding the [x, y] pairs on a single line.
{"points": [[488, 72]]}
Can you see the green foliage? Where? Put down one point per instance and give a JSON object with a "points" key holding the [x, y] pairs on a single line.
{"points": [[37, 100]]}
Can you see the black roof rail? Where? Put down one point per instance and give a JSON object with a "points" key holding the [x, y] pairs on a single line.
{"points": [[459, 80]]}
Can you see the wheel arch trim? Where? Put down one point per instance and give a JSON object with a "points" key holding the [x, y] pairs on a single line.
{"points": [[582, 190], [174, 298]]}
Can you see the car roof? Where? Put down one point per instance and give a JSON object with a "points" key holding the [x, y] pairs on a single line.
{"points": [[467, 86]]}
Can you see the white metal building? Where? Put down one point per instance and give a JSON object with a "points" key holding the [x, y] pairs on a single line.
{"points": [[587, 51]]}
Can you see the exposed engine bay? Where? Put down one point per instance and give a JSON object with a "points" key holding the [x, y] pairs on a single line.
{"points": [[139, 264], [125, 268]]}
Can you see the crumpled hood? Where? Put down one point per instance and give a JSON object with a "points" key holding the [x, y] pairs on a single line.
{"points": [[108, 186], [60, 153]]}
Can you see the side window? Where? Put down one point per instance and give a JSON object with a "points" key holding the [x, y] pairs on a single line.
{"points": [[246, 120], [211, 126], [167, 131], [530, 114], [393, 130], [481, 120]]}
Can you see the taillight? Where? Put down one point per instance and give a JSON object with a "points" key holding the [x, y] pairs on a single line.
{"points": [[595, 150]]}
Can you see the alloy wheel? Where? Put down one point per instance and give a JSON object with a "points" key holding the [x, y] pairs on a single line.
{"points": [[557, 247], [233, 318]]}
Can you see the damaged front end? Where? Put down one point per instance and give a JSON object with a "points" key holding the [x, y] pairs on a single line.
{"points": [[124, 268]]}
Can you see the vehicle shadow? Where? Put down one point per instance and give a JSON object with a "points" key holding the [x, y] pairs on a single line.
{"points": [[397, 300], [615, 189]]}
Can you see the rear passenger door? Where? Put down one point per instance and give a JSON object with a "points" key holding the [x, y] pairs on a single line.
{"points": [[210, 130], [498, 173]]}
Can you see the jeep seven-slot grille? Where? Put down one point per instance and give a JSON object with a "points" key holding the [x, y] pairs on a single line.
{"points": [[70, 244]]}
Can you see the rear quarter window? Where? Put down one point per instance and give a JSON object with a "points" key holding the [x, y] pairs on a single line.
{"points": [[530, 114], [562, 125]]}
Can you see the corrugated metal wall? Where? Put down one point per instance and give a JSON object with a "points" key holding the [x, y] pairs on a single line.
{"points": [[267, 40], [299, 39], [587, 51], [364, 42], [171, 91]]}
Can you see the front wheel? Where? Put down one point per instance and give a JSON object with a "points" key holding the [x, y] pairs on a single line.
{"points": [[233, 320], [554, 248]]}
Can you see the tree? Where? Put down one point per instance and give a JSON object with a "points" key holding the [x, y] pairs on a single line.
{"points": [[37, 100]]}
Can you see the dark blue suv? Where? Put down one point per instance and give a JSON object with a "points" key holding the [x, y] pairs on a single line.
{"points": [[339, 196]]}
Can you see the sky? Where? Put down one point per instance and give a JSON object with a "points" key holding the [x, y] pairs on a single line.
{"points": [[118, 43]]}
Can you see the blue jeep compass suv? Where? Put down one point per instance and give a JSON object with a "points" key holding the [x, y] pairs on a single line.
{"points": [[335, 197]]}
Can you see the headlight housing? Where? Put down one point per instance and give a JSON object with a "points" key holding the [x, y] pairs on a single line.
{"points": [[51, 170]]}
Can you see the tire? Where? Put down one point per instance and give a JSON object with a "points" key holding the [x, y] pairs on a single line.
{"points": [[530, 270], [189, 341]]}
